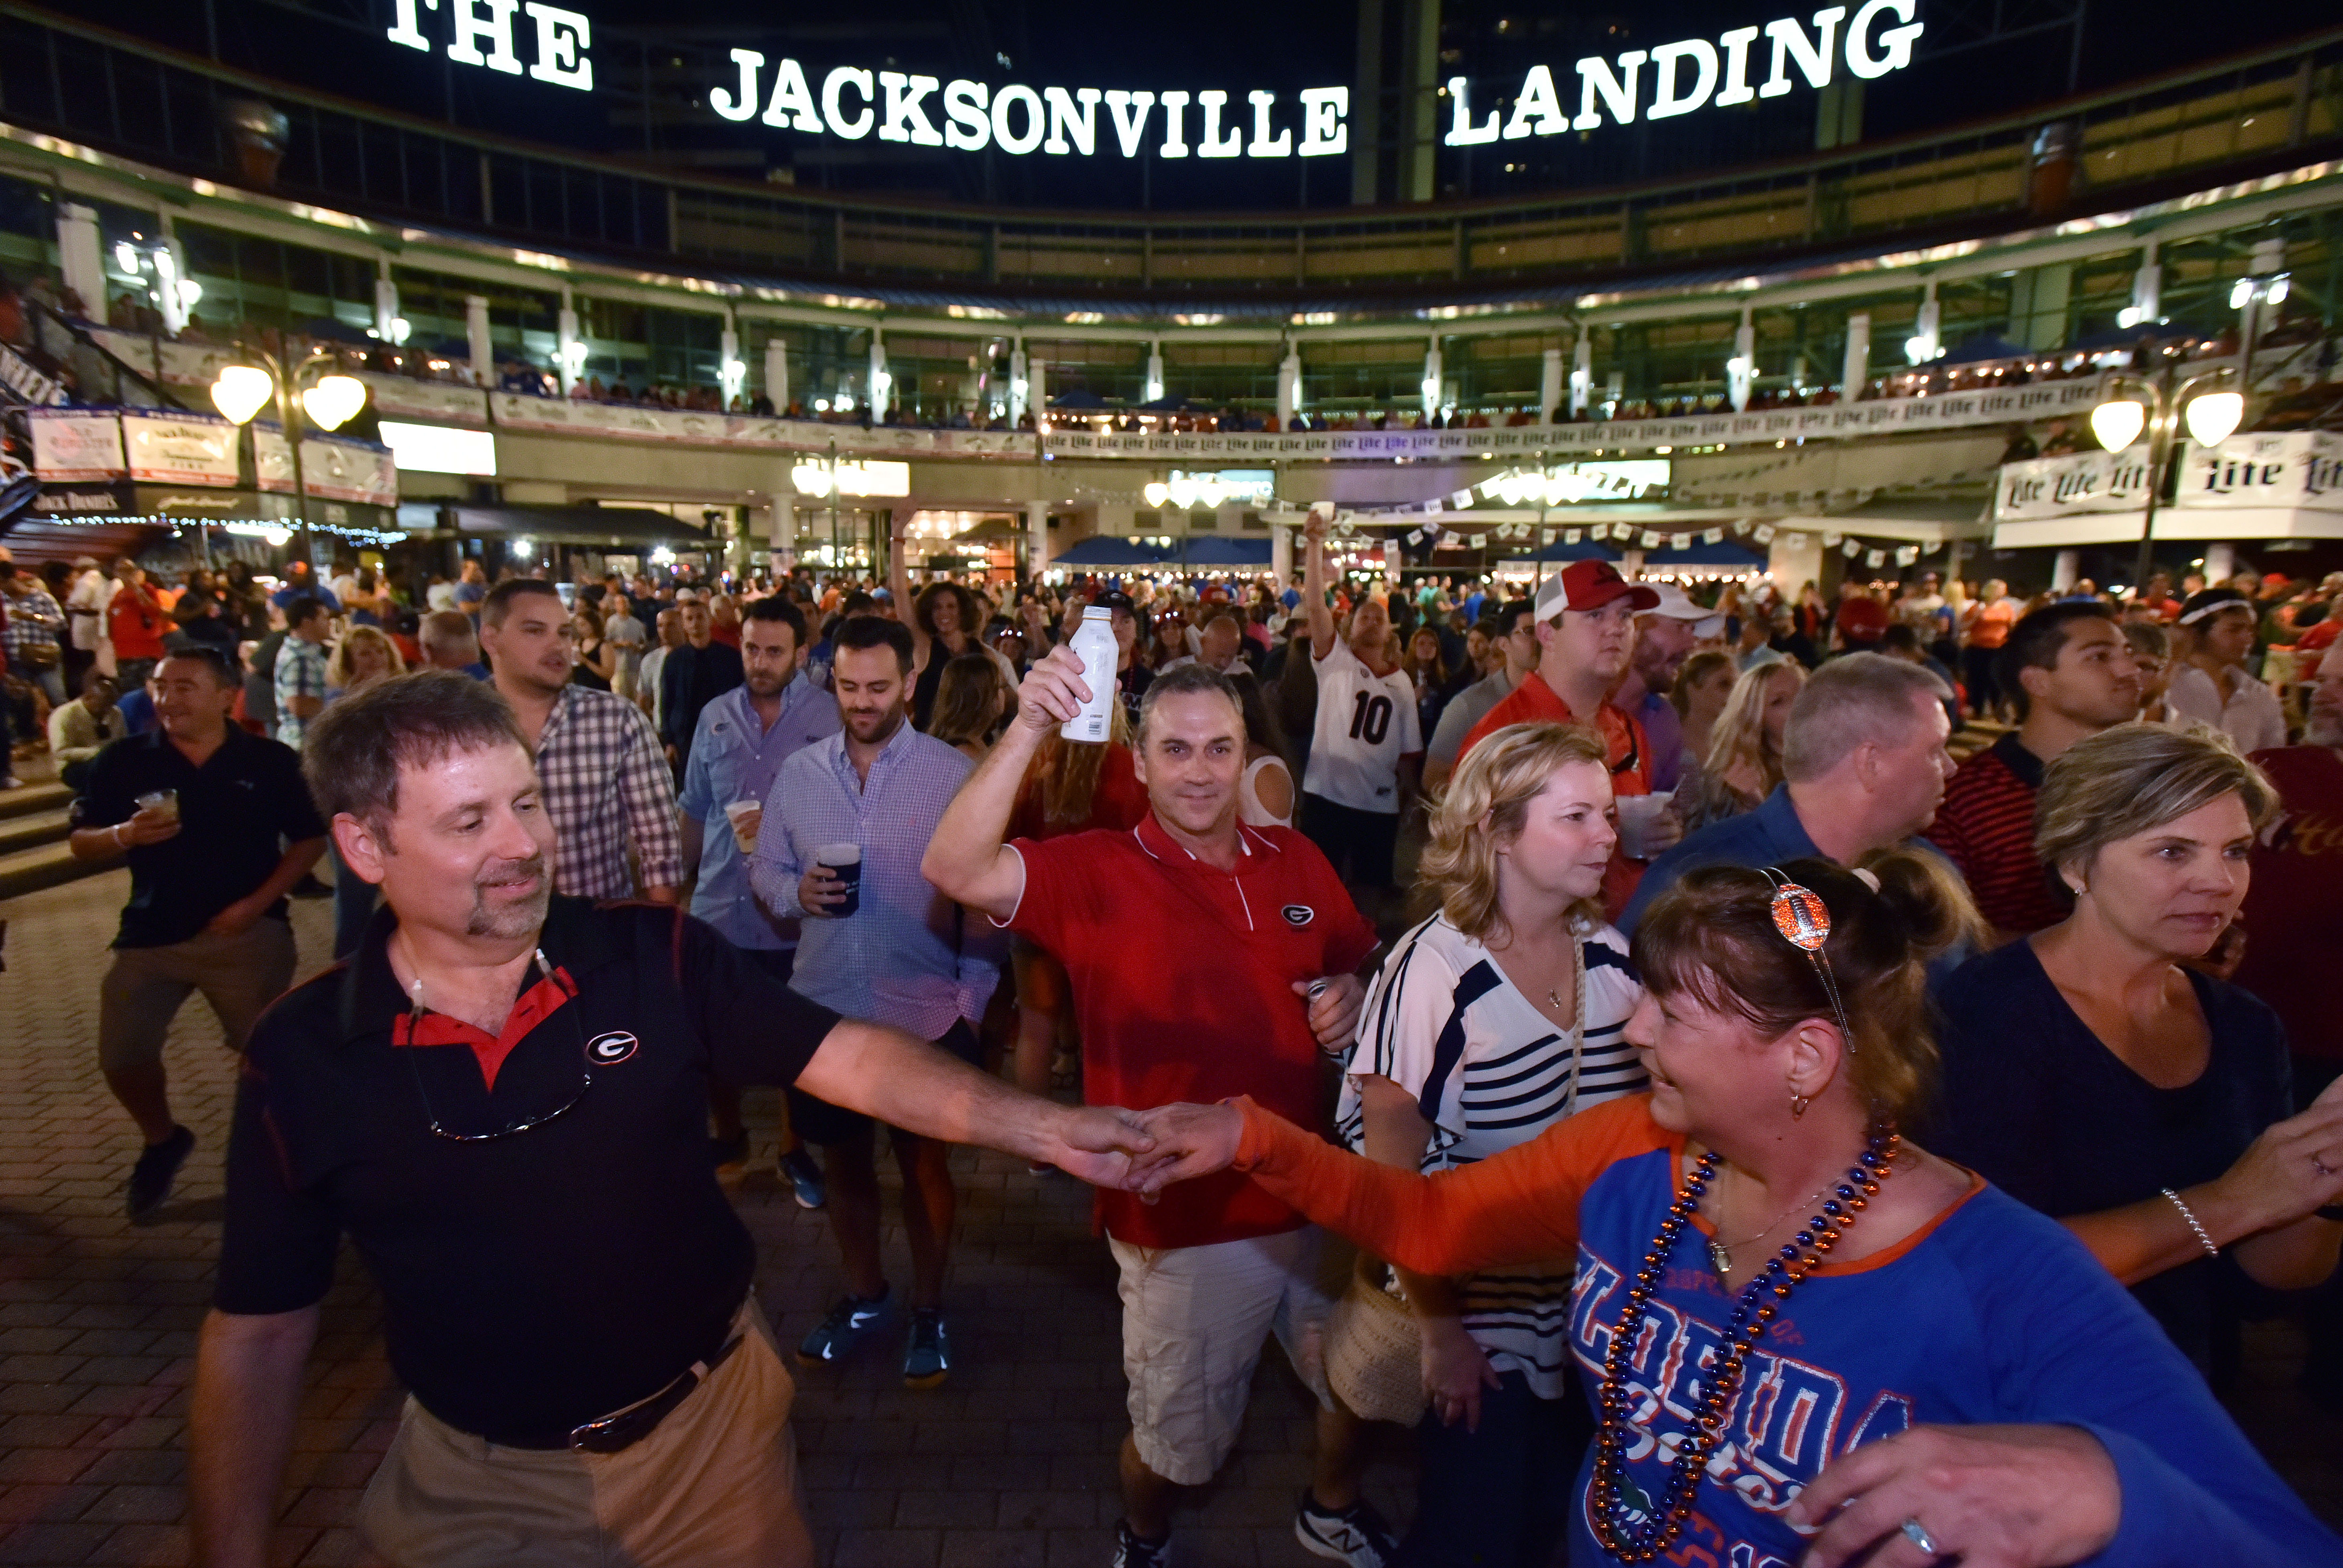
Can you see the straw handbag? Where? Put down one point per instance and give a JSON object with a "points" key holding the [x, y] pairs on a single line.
{"points": [[1374, 1350]]}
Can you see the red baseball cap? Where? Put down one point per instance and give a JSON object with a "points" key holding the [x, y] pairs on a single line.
{"points": [[1589, 584]]}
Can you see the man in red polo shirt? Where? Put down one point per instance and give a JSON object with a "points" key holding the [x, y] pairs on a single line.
{"points": [[1207, 960], [1585, 617]]}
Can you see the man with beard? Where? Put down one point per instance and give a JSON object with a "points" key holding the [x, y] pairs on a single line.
{"points": [[603, 778], [901, 954], [1664, 638], [498, 1098], [217, 827], [1207, 959], [743, 737]]}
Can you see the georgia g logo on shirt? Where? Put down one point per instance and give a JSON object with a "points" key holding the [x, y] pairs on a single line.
{"points": [[1298, 915], [609, 1049]]}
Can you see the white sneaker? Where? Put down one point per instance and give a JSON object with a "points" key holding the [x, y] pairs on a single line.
{"points": [[1357, 1535]]}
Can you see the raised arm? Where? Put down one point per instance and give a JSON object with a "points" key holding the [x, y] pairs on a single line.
{"points": [[1313, 585], [968, 859]]}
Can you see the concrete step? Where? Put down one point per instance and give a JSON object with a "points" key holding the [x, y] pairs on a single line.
{"points": [[43, 866], [32, 829], [36, 795]]}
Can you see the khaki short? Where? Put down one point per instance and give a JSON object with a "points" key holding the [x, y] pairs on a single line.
{"points": [[144, 989], [714, 1485], [1193, 1322]]}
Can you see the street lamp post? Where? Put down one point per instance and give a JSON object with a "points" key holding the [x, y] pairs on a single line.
{"points": [[241, 389], [2118, 422]]}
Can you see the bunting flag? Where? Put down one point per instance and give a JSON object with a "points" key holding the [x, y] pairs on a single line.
{"points": [[1714, 536], [1907, 555], [1480, 541], [1650, 540], [1851, 548], [1875, 557], [1763, 533], [1570, 536], [1415, 535], [1462, 499], [1829, 540]]}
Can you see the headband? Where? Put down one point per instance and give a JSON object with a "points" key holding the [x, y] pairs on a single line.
{"points": [[1805, 922], [2235, 601]]}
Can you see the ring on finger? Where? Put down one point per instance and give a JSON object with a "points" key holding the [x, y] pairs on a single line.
{"points": [[2320, 1166], [1919, 1536]]}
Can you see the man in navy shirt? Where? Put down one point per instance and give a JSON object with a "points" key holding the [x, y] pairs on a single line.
{"points": [[500, 1098], [1863, 764]]}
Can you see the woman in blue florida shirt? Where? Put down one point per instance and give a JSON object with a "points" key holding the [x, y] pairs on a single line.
{"points": [[1808, 1343]]}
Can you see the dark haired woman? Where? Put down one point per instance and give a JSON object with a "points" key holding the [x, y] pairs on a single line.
{"points": [[1787, 1317]]}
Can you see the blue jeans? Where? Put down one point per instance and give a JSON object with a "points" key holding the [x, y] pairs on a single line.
{"points": [[1499, 1496]]}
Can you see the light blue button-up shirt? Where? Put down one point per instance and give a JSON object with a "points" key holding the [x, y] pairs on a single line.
{"points": [[734, 756], [908, 956]]}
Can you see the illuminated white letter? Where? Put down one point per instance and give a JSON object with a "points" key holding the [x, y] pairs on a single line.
{"points": [[833, 88], [496, 28], [1129, 113], [403, 29], [1536, 111], [1896, 41], [1814, 59], [1324, 112], [1209, 142], [1462, 131], [1174, 148], [1062, 119], [1595, 76], [1736, 45], [1666, 103], [1035, 119], [738, 108], [792, 104], [563, 38], [903, 95], [965, 125], [1262, 147]]}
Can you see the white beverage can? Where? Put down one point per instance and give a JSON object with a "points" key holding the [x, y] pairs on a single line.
{"points": [[1094, 644]]}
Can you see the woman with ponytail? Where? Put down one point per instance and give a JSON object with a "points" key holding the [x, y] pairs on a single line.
{"points": [[1804, 1339]]}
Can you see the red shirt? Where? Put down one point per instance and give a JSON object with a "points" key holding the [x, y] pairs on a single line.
{"points": [[1532, 702], [2294, 905], [134, 620], [1985, 827], [1862, 621], [1183, 988]]}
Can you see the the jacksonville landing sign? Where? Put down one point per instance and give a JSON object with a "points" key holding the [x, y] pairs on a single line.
{"points": [[852, 102]]}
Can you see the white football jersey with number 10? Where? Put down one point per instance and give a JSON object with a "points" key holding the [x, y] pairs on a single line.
{"points": [[1366, 723]]}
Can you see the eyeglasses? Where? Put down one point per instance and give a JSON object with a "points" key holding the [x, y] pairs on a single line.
{"points": [[586, 1075]]}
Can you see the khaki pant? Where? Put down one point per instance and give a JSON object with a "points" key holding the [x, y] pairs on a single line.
{"points": [[1194, 1319], [146, 988], [715, 1485]]}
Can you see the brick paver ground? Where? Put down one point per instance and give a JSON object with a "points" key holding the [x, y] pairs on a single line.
{"points": [[1011, 1462]]}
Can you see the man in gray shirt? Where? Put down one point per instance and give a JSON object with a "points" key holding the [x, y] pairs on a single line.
{"points": [[1515, 636]]}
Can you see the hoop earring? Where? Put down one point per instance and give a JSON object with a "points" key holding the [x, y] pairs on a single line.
{"points": [[1799, 1103]]}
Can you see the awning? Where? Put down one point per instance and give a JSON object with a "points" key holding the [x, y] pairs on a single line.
{"points": [[1217, 552], [1731, 557], [1582, 551], [1102, 550], [609, 527]]}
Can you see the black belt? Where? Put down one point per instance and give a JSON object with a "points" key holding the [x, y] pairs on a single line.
{"points": [[623, 1428]]}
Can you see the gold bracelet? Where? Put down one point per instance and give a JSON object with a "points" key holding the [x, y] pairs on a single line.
{"points": [[2203, 1240]]}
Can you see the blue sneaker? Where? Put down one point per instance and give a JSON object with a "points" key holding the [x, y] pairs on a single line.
{"points": [[927, 1359], [850, 1322], [804, 1177]]}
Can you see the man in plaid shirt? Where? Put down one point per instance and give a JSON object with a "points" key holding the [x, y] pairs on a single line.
{"points": [[605, 781]]}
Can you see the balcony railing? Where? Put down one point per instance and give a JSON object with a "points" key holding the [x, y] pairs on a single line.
{"points": [[69, 78]]}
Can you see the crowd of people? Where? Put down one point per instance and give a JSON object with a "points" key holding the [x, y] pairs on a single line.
{"points": [[1614, 913]]}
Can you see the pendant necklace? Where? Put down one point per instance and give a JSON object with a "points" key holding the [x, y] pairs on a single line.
{"points": [[1720, 1251]]}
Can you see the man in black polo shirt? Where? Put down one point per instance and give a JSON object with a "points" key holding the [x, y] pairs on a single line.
{"points": [[501, 1097], [218, 824]]}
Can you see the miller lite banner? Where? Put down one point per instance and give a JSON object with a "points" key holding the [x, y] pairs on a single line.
{"points": [[2080, 482], [2298, 469]]}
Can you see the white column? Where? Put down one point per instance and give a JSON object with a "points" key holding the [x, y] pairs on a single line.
{"points": [[2065, 569], [1154, 387], [1020, 388], [1288, 387], [1280, 554], [1857, 372], [80, 258], [1582, 372], [386, 305], [1549, 385], [777, 373], [2220, 563], [1741, 371], [1036, 537], [475, 329], [1037, 392], [730, 369], [1431, 380], [568, 348], [880, 388]]}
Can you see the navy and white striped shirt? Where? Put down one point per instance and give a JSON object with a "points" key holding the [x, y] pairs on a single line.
{"points": [[1490, 1070]]}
